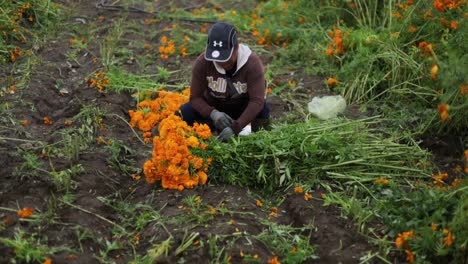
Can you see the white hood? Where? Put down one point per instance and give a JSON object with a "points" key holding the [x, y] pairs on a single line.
{"points": [[243, 55]]}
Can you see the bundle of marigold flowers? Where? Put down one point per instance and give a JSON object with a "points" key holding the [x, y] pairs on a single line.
{"points": [[174, 160], [150, 112]]}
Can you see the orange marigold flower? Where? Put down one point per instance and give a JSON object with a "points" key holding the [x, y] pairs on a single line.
{"points": [[212, 210], [409, 256], [274, 260], [402, 7], [298, 189], [332, 82], [307, 196], [329, 52], [397, 14], [382, 181], [439, 5], [47, 261], [442, 108], [439, 178], [47, 121], [454, 24], [259, 203], [448, 240], [24, 122], [463, 89], [433, 227], [401, 240], [202, 130], [12, 89], [457, 181], [422, 44], [444, 116], [412, 29], [25, 212]]}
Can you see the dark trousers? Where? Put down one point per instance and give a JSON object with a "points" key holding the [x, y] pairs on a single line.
{"points": [[190, 116]]}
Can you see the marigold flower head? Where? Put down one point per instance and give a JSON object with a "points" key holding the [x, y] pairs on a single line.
{"points": [[463, 89], [332, 82], [448, 240], [47, 121], [274, 260], [382, 181], [444, 116], [439, 6], [298, 189], [259, 203], [442, 108], [409, 256], [401, 240], [439, 178], [25, 212]]}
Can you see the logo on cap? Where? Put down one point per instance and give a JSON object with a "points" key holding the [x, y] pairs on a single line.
{"points": [[220, 43], [215, 54]]}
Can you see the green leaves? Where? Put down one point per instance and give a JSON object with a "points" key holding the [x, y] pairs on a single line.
{"points": [[341, 150]]}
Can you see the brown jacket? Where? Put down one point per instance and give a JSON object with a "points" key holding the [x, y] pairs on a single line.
{"points": [[209, 91]]}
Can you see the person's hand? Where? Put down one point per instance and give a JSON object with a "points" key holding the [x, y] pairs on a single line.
{"points": [[226, 134], [220, 119]]}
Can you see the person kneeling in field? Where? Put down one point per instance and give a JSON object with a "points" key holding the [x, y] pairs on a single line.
{"points": [[228, 87]]}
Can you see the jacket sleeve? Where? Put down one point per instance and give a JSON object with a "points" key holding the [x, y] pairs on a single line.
{"points": [[198, 86], [256, 90]]}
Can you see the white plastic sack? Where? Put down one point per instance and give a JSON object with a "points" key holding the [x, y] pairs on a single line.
{"points": [[327, 107]]}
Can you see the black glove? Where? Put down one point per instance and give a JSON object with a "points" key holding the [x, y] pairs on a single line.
{"points": [[220, 119], [226, 134]]}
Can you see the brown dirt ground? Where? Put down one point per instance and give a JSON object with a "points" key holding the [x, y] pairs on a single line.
{"points": [[335, 237]]}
